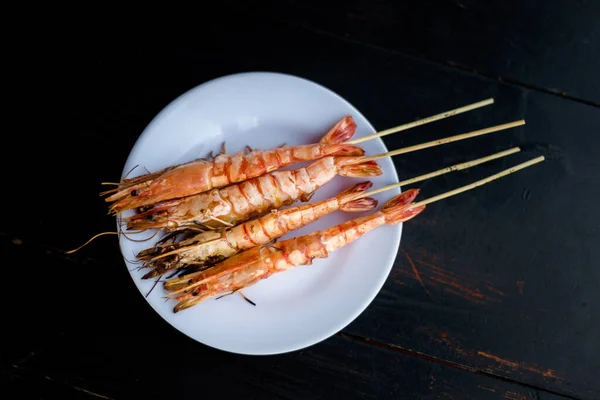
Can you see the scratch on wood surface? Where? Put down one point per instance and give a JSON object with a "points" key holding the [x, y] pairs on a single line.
{"points": [[545, 372], [25, 359], [491, 288], [90, 392], [425, 271], [502, 361], [520, 285], [440, 336], [78, 388], [496, 371], [509, 394], [488, 389], [416, 271]]}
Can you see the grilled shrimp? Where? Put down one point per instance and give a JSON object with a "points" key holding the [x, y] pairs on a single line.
{"points": [[214, 246], [201, 175], [260, 262], [233, 204]]}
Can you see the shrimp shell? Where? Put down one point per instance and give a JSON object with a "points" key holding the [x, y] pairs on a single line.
{"points": [[201, 175], [237, 203], [258, 263], [211, 246]]}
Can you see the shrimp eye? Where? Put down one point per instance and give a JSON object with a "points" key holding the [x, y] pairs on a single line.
{"points": [[135, 192], [150, 217]]}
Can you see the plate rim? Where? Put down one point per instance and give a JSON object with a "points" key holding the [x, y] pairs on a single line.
{"points": [[365, 303]]}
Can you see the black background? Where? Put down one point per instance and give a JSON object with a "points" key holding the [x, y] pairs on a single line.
{"points": [[505, 304]]}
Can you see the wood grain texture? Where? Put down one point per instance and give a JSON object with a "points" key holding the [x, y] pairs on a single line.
{"points": [[552, 46], [501, 281], [117, 347]]}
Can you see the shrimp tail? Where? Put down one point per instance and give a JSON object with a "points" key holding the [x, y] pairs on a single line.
{"points": [[401, 200], [396, 210], [349, 202], [360, 205], [343, 150], [340, 132], [368, 168], [353, 191]]}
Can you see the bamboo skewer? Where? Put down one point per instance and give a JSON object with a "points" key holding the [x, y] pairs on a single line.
{"points": [[479, 182], [439, 142], [456, 167], [429, 200], [424, 121]]}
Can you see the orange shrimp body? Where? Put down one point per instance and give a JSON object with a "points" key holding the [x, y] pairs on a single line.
{"points": [[237, 203], [251, 266], [214, 246], [201, 175]]}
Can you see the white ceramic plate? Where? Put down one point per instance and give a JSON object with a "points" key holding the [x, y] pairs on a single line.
{"points": [[300, 307]]}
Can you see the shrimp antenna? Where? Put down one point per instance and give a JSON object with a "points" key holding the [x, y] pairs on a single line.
{"points": [[111, 190], [140, 240], [478, 183], [121, 232], [116, 183], [172, 275], [224, 295], [424, 121], [130, 171], [111, 233], [456, 167], [108, 191], [439, 142], [153, 286], [135, 263], [247, 299], [93, 237]]}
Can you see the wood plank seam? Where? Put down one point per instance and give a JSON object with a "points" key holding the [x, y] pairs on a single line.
{"points": [[447, 64], [414, 353]]}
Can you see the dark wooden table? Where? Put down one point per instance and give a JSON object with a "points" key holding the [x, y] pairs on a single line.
{"points": [[494, 293]]}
